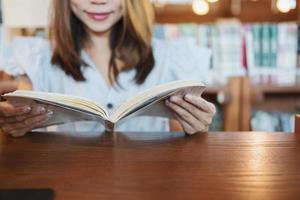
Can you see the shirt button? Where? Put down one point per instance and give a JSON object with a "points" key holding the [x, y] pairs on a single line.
{"points": [[109, 105]]}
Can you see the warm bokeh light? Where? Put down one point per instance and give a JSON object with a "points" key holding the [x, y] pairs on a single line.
{"points": [[283, 6], [200, 7]]}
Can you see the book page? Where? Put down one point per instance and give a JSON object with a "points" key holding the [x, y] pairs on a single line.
{"points": [[159, 109], [153, 95], [62, 114], [61, 100]]}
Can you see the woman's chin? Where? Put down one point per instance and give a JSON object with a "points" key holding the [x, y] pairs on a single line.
{"points": [[100, 30]]}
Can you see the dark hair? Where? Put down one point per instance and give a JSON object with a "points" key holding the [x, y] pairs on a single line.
{"points": [[130, 40]]}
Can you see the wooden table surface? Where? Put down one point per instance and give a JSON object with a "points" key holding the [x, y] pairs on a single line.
{"points": [[154, 165]]}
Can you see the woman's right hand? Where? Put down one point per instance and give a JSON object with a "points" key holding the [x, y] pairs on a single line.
{"points": [[18, 120]]}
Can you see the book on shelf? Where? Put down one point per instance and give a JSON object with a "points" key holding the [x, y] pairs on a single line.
{"points": [[256, 44], [273, 121], [273, 45], [265, 46], [298, 49], [68, 108]]}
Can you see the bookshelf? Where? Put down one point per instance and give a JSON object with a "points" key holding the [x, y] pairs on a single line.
{"points": [[227, 97], [277, 90], [243, 97], [232, 107], [268, 98]]}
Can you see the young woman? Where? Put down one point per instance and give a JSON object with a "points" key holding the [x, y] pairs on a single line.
{"points": [[103, 50]]}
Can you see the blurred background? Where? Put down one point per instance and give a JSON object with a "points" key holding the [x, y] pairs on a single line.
{"points": [[254, 73]]}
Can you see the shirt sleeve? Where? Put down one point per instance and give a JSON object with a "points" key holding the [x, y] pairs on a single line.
{"points": [[27, 56], [186, 60]]}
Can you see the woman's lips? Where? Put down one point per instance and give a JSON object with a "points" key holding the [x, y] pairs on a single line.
{"points": [[98, 16]]}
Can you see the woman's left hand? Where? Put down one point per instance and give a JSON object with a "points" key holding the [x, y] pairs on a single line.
{"points": [[193, 112]]}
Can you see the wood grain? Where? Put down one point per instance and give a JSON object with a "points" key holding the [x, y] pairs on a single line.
{"points": [[232, 110], [245, 104], [154, 165], [297, 124], [269, 98]]}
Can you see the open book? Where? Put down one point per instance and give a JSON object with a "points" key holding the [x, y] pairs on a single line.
{"points": [[67, 108]]}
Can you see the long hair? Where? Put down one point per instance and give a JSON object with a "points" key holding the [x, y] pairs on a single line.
{"points": [[129, 40]]}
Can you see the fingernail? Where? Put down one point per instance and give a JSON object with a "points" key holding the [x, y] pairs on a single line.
{"points": [[173, 99], [41, 109], [188, 96], [49, 114], [27, 109]]}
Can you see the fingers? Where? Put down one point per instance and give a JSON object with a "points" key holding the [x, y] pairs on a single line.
{"points": [[27, 122], [186, 127], [8, 110], [190, 124], [184, 114], [201, 103], [6, 87], [194, 113], [13, 119], [18, 125], [192, 109], [34, 123]]}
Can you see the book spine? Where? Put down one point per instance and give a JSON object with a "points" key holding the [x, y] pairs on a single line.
{"points": [[109, 126], [265, 50], [287, 54], [298, 48], [257, 44], [274, 35], [251, 67], [273, 52]]}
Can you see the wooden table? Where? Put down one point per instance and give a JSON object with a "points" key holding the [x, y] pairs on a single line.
{"points": [[154, 165]]}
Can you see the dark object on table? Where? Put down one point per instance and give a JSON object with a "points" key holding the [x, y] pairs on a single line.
{"points": [[27, 194]]}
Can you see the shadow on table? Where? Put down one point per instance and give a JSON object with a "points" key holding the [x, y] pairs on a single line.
{"points": [[100, 139]]}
